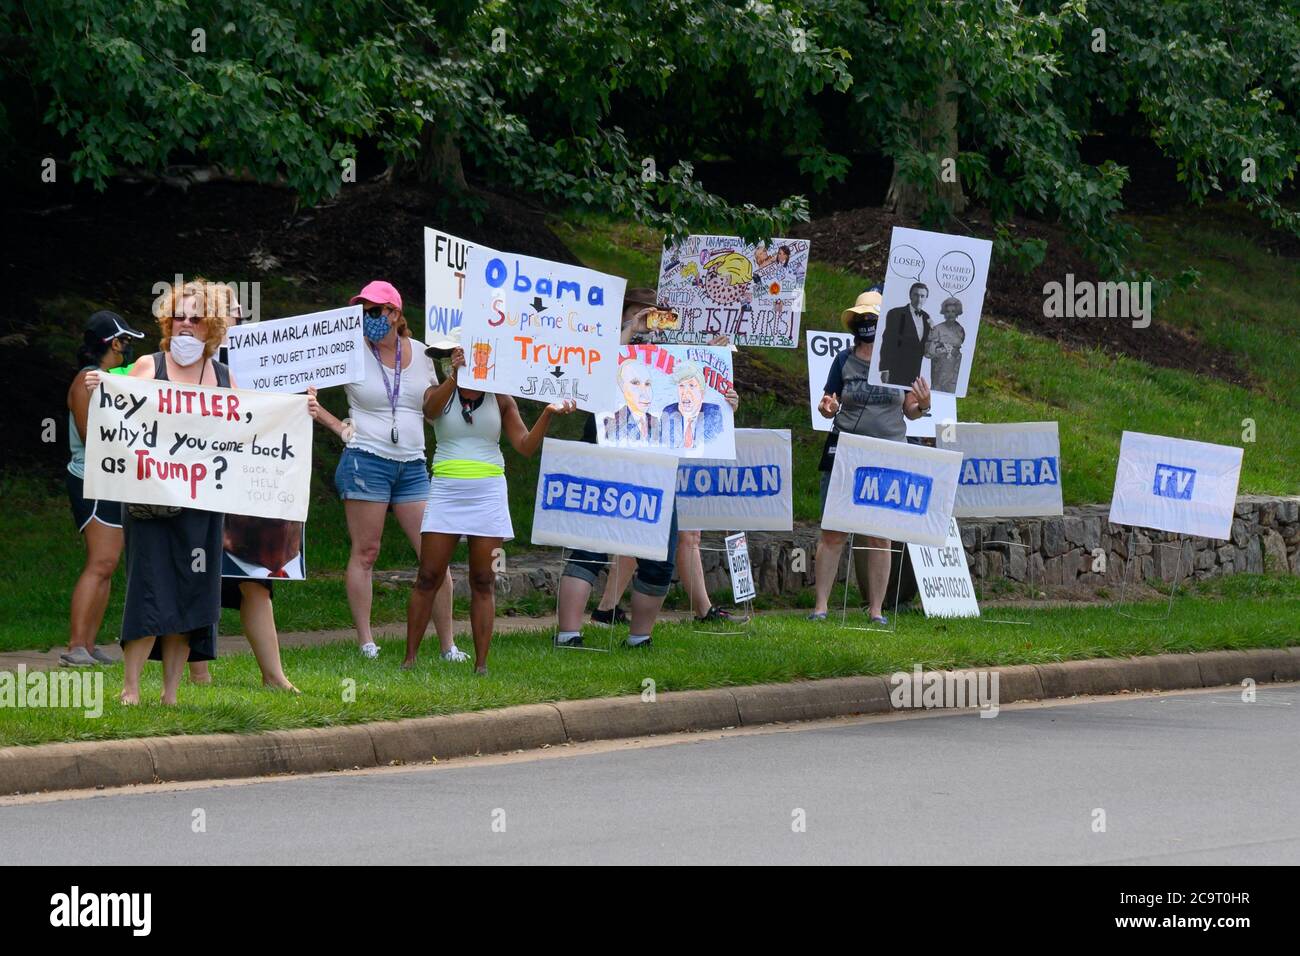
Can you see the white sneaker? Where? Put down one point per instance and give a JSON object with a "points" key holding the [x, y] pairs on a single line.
{"points": [[370, 650], [455, 655]]}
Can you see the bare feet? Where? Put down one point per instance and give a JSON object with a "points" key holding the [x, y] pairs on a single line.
{"points": [[168, 700], [282, 684], [129, 699], [199, 673], [408, 663]]}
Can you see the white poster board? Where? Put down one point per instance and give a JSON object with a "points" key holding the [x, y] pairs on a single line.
{"points": [[671, 402], [610, 500], [943, 410], [891, 490], [196, 446], [742, 573], [933, 298], [720, 285], [1172, 484], [541, 330], [752, 492], [943, 577], [822, 349], [445, 261], [1008, 470], [293, 354]]}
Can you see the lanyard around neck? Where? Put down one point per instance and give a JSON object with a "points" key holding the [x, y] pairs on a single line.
{"points": [[396, 387]]}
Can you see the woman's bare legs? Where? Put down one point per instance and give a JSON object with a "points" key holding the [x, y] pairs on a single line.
{"points": [[616, 582], [690, 571], [431, 580], [90, 596], [482, 595], [134, 654], [365, 528], [827, 566], [257, 614], [409, 515], [878, 561], [175, 652]]}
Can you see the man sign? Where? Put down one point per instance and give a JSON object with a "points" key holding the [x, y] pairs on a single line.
{"points": [[891, 490]]}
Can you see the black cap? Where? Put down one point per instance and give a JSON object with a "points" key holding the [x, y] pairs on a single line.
{"points": [[108, 325]]}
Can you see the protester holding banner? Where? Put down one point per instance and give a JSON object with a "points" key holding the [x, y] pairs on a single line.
{"points": [[861, 408], [383, 464], [173, 600], [106, 346], [467, 497]]}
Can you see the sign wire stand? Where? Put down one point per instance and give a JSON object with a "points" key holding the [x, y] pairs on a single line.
{"points": [[1029, 577], [898, 588], [555, 634], [1133, 561]]}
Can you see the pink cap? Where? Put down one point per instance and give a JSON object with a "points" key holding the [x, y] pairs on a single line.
{"points": [[380, 293]]}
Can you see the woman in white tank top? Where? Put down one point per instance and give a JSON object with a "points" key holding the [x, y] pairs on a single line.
{"points": [[467, 496]]}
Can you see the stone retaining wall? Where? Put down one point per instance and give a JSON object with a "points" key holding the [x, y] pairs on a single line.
{"points": [[1074, 554]]}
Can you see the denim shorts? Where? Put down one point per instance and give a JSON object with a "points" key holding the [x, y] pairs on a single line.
{"points": [[364, 476]]}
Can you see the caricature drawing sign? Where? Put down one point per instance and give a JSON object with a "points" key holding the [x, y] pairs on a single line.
{"points": [[934, 294], [671, 402], [719, 285]]}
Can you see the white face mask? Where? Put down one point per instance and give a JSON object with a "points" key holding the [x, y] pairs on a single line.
{"points": [[186, 349]]}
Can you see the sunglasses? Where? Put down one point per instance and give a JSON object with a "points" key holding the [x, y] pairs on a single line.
{"points": [[190, 319]]}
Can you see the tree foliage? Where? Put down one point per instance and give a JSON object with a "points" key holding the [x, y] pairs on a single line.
{"points": [[609, 103]]}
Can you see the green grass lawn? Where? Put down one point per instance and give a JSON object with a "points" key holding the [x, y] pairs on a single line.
{"points": [[1235, 613]]}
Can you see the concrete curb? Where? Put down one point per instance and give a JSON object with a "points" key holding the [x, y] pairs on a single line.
{"points": [[117, 763]]}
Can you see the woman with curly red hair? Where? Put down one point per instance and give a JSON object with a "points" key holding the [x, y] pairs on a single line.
{"points": [[173, 602]]}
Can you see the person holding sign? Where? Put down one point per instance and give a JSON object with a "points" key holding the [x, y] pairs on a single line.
{"points": [[861, 408], [383, 463], [650, 585], [467, 497], [107, 346], [173, 555]]}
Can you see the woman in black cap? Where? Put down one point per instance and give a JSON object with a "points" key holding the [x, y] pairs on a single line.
{"points": [[106, 345], [860, 408]]}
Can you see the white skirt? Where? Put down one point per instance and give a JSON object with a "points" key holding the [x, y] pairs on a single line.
{"points": [[471, 506]]}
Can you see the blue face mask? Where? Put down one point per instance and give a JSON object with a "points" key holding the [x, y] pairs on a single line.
{"points": [[375, 327]]}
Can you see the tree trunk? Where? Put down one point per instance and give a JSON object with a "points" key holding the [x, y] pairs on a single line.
{"points": [[438, 162], [934, 130]]}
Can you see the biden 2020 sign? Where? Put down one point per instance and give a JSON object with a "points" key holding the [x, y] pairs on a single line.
{"points": [[1009, 471], [751, 493], [892, 490], [613, 500], [1172, 484]]}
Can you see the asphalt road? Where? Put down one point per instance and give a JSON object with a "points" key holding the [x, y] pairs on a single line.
{"points": [[1186, 778]]}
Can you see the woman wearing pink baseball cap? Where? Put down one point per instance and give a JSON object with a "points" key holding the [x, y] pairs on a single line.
{"points": [[383, 464]]}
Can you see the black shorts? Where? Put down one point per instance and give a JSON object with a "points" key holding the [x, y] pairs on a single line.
{"points": [[231, 598], [84, 509]]}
